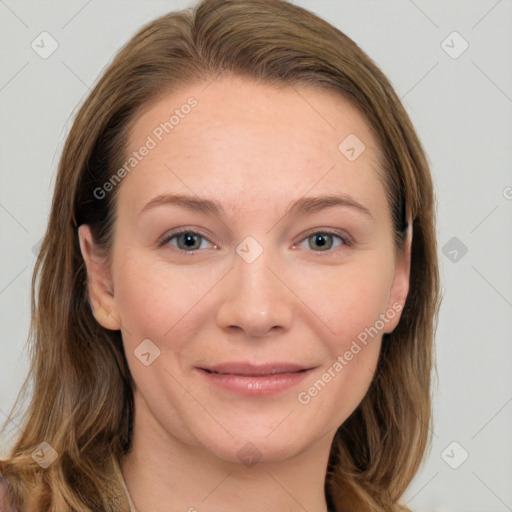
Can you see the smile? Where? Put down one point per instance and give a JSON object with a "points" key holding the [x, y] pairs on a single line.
{"points": [[255, 380]]}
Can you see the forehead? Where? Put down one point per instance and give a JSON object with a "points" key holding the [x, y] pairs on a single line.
{"points": [[235, 136]]}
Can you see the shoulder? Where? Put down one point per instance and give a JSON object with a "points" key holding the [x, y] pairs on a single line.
{"points": [[6, 496]]}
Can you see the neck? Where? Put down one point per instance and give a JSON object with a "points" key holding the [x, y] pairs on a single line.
{"points": [[163, 473]]}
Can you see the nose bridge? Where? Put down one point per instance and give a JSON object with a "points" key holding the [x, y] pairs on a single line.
{"points": [[255, 278], [256, 301]]}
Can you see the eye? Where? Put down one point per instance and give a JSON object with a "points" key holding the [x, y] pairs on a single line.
{"points": [[325, 240], [185, 240], [190, 241]]}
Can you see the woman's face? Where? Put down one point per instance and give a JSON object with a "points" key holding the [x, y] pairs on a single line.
{"points": [[283, 294]]}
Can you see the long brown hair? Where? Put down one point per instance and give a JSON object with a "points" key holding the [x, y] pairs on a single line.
{"points": [[81, 398]]}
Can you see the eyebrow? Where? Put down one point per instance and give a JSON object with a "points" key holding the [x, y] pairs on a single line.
{"points": [[302, 206]]}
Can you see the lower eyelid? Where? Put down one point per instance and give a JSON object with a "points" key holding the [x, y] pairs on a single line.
{"points": [[170, 236], [346, 240]]}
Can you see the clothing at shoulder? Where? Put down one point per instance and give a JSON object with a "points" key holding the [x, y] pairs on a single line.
{"points": [[6, 496]]}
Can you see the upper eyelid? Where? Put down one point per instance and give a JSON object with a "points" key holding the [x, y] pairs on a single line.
{"points": [[180, 231], [329, 231]]}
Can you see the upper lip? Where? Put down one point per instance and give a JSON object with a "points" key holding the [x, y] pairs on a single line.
{"points": [[241, 368]]}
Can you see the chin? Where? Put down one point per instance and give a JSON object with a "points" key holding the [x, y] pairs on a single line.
{"points": [[251, 445]]}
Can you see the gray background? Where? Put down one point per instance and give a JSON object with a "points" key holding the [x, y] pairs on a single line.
{"points": [[461, 105]]}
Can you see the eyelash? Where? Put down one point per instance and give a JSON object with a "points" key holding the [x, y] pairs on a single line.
{"points": [[165, 239]]}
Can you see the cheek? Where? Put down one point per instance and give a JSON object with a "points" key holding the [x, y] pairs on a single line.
{"points": [[160, 302], [349, 299], [351, 303]]}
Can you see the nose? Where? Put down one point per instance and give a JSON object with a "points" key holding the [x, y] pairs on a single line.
{"points": [[255, 299]]}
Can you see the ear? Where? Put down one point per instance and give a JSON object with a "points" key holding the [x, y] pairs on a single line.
{"points": [[400, 286], [99, 281]]}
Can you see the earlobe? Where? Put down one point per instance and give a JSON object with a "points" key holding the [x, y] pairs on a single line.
{"points": [[400, 286], [99, 281]]}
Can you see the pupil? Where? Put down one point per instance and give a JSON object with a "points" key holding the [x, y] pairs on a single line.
{"points": [[189, 240], [320, 240]]}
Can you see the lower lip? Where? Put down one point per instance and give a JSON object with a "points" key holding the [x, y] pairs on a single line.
{"points": [[254, 385]]}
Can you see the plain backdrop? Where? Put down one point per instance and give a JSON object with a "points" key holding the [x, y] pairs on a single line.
{"points": [[451, 64]]}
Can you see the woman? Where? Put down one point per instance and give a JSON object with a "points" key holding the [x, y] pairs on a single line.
{"points": [[234, 304]]}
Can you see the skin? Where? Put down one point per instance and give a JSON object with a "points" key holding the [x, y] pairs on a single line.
{"points": [[255, 149]]}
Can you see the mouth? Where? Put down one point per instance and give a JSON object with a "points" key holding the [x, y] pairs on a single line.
{"points": [[251, 370], [258, 380]]}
